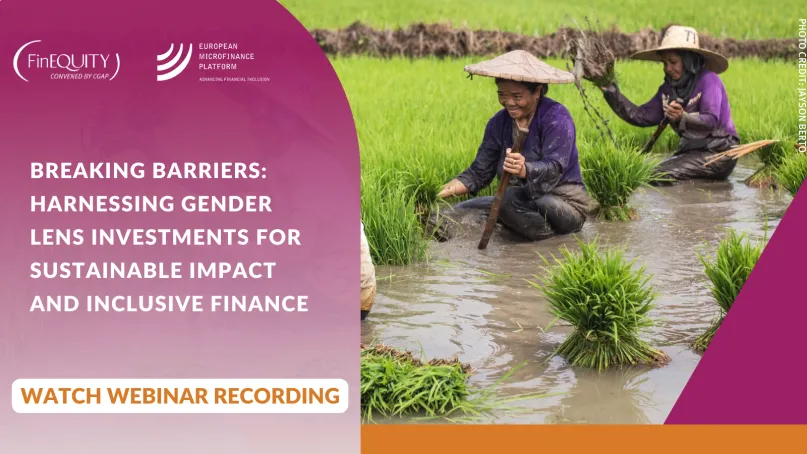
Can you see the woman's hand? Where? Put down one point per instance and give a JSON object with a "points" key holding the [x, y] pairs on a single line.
{"points": [[452, 188], [674, 111], [514, 164]]}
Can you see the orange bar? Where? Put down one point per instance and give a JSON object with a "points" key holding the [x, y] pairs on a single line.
{"points": [[650, 439]]}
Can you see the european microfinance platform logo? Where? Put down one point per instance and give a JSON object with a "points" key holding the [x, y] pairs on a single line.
{"points": [[215, 61], [36, 59], [168, 69]]}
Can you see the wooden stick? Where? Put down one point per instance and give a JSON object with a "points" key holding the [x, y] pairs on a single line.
{"points": [[497, 201], [661, 127]]}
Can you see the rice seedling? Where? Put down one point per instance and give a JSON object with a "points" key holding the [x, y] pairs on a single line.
{"points": [[701, 343], [607, 301], [771, 158], [396, 387], [391, 224], [612, 175], [748, 20], [592, 61], [791, 173], [735, 259], [395, 384]]}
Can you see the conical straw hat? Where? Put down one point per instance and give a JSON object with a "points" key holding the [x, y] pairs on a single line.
{"points": [[521, 66], [684, 38]]}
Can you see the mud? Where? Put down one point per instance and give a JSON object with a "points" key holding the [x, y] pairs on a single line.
{"points": [[406, 356], [479, 306], [441, 40]]}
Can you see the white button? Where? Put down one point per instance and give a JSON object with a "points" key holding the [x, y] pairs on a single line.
{"points": [[179, 395]]}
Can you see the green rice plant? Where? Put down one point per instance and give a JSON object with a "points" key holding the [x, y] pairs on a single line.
{"points": [[791, 173], [422, 184], [393, 387], [735, 259], [701, 343], [612, 175], [771, 158], [391, 224], [395, 383], [607, 301], [742, 20]]}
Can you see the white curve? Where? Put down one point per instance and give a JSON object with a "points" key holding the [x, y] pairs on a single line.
{"points": [[17, 57], [173, 61], [178, 69], [162, 57], [117, 57]]}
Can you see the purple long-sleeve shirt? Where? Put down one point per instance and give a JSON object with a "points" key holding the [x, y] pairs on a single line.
{"points": [[550, 151], [707, 116]]}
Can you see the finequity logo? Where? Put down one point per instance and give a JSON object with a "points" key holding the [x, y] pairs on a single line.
{"points": [[72, 66], [177, 69]]}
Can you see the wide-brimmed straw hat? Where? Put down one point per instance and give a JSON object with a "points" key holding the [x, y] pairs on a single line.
{"points": [[520, 66], [684, 38]]}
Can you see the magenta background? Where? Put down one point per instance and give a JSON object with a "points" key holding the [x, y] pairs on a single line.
{"points": [[299, 126]]}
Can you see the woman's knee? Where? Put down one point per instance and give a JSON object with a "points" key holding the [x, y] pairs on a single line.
{"points": [[570, 222], [563, 217], [514, 204]]}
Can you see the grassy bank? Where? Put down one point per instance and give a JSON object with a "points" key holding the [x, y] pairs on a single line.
{"points": [[420, 122], [741, 20]]}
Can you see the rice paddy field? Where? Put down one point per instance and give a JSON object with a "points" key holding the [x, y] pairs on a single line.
{"points": [[419, 123], [735, 19]]}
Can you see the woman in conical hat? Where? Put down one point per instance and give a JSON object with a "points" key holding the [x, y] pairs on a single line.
{"points": [[546, 196], [694, 101]]}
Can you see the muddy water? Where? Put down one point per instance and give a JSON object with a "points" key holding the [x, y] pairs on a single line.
{"points": [[451, 305]]}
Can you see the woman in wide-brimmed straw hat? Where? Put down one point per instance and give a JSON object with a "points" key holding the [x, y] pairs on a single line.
{"points": [[546, 196], [694, 101]]}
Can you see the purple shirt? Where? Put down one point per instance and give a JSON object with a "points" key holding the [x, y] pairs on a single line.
{"points": [[550, 151], [708, 115]]}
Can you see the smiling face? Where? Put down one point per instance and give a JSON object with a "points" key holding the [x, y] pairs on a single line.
{"points": [[673, 66], [517, 99]]}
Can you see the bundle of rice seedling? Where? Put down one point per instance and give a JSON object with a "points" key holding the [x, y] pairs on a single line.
{"points": [[734, 261], [394, 384], [607, 302], [611, 175], [791, 172], [771, 158], [770, 152], [591, 60]]}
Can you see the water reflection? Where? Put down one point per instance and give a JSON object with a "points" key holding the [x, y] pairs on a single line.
{"points": [[615, 398]]}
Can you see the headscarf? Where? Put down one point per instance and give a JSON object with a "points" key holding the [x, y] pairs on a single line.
{"points": [[692, 63]]}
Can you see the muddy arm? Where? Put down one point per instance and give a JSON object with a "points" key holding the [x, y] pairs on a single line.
{"points": [[709, 116], [648, 114], [482, 171], [697, 122]]}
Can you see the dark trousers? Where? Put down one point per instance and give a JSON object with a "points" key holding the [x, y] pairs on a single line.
{"points": [[688, 162], [533, 219], [689, 166]]}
